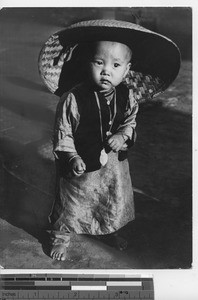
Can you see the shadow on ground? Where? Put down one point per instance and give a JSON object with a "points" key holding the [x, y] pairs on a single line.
{"points": [[160, 237]]}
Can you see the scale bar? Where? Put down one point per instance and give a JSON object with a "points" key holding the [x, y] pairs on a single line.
{"points": [[124, 283], [76, 287], [88, 288]]}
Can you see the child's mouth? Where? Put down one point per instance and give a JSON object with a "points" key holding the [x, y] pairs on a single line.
{"points": [[105, 81]]}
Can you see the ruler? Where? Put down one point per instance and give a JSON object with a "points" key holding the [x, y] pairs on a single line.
{"points": [[71, 286]]}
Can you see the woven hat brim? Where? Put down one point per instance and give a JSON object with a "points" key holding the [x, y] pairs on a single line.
{"points": [[153, 54]]}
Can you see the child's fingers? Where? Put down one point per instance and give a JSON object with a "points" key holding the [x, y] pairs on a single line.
{"points": [[115, 144], [115, 140], [115, 148], [78, 172], [79, 168], [111, 140], [75, 173], [110, 143], [83, 165]]}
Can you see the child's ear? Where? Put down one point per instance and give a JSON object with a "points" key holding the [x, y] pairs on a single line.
{"points": [[127, 69]]}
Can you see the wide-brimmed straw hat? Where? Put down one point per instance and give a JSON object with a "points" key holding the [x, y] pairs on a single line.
{"points": [[155, 58]]}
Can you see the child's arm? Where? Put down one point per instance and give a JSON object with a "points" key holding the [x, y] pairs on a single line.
{"points": [[125, 135], [66, 122]]}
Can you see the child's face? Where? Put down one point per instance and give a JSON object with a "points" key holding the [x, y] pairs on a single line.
{"points": [[110, 64]]}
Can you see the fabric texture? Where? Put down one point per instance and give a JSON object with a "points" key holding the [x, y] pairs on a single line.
{"points": [[101, 200], [96, 203]]}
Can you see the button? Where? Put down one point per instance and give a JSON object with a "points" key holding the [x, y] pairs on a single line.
{"points": [[108, 102]]}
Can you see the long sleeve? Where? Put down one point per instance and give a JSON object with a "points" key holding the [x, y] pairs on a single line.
{"points": [[127, 128], [66, 122]]}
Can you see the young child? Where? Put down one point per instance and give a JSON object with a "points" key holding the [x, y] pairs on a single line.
{"points": [[94, 125], [94, 118]]}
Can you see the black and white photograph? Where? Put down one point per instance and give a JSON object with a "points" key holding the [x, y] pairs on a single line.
{"points": [[96, 138]]}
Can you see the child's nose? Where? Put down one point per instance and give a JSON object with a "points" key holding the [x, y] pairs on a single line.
{"points": [[106, 70]]}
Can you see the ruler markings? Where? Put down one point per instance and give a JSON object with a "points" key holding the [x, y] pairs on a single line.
{"points": [[72, 286], [78, 294], [121, 288]]}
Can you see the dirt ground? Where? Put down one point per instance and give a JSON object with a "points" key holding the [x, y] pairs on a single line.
{"points": [[160, 163]]}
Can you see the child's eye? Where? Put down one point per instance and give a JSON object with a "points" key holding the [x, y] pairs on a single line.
{"points": [[116, 65], [98, 62]]}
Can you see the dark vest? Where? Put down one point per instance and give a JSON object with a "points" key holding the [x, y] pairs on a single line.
{"points": [[87, 138]]}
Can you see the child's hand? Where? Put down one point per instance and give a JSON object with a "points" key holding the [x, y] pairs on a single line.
{"points": [[116, 142], [78, 166]]}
